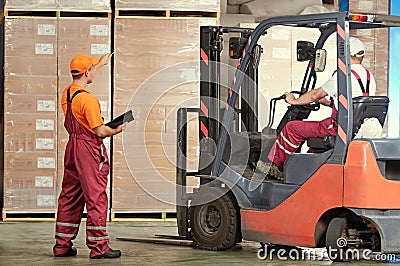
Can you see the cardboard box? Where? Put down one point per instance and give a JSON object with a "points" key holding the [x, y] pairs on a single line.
{"points": [[34, 65], [30, 85], [30, 161], [33, 122], [22, 103], [25, 142], [31, 4], [25, 199], [30, 46], [23, 27], [84, 28], [126, 201], [188, 5], [21, 179], [84, 5], [362, 6]]}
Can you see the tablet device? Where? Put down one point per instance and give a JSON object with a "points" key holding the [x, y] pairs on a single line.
{"points": [[126, 117]]}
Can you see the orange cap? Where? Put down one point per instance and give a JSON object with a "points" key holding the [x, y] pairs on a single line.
{"points": [[81, 63]]}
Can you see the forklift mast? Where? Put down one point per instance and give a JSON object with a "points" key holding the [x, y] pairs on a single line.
{"points": [[211, 46]]}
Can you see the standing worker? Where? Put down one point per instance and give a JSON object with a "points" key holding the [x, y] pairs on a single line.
{"points": [[86, 165]]}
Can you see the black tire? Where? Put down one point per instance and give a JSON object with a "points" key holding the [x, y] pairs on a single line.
{"points": [[214, 224], [336, 240]]}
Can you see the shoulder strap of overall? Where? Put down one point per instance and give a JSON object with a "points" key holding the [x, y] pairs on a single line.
{"points": [[364, 91], [69, 98]]}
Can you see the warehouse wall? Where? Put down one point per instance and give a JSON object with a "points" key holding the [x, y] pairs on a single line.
{"points": [[40, 40]]}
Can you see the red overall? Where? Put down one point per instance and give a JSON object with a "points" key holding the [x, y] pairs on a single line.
{"points": [[295, 132], [86, 168]]}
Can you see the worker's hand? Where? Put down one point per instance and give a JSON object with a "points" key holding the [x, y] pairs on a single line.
{"points": [[325, 102], [104, 131], [120, 128], [289, 98], [104, 59]]}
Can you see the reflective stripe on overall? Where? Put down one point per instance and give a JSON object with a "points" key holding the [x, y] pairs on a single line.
{"points": [[86, 168]]}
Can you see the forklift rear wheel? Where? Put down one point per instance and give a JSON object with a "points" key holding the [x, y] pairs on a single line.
{"points": [[336, 242], [214, 224]]}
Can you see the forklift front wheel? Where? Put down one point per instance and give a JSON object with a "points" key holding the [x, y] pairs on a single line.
{"points": [[214, 224]]}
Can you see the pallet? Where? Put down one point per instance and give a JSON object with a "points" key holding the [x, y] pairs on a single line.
{"points": [[142, 216], [166, 14], [34, 215], [14, 13]]}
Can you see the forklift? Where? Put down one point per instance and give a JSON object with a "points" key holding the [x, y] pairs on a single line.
{"points": [[348, 190]]}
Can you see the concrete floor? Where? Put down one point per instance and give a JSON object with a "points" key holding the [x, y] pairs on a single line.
{"points": [[30, 243]]}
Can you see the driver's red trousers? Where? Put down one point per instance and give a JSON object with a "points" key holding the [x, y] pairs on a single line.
{"points": [[295, 133]]}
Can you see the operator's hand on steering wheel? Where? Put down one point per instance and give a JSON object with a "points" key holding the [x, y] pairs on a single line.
{"points": [[325, 101], [289, 98]]}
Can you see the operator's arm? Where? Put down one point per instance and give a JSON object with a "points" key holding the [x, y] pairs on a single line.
{"points": [[311, 96], [104, 60], [103, 131]]}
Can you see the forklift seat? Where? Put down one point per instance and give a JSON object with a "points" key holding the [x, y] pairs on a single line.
{"points": [[363, 107]]}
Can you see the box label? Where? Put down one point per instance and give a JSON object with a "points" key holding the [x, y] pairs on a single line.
{"points": [[99, 30], [44, 124], [46, 162], [366, 5], [44, 48], [46, 29], [46, 106], [279, 34], [99, 48], [281, 53], [100, 2], [369, 46], [104, 106], [44, 144], [363, 32], [43, 181], [46, 200]]}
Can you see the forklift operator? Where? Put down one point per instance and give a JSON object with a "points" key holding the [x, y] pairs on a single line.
{"points": [[296, 132], [86, 165]]}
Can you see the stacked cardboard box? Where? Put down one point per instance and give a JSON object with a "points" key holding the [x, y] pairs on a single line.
{"points": [[31, 4], [30, 113], [188, 5], [37, 56], [75, 36], [156, 72]]}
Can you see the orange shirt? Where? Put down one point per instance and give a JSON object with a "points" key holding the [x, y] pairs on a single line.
{"points": [[85, 107]]}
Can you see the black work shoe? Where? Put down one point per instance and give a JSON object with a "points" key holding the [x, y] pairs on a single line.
{"points": [[263, 167], [70, 253], [110, 254]]}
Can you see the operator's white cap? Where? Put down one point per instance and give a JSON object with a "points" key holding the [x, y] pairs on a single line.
{"points": [[356, 47]]}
